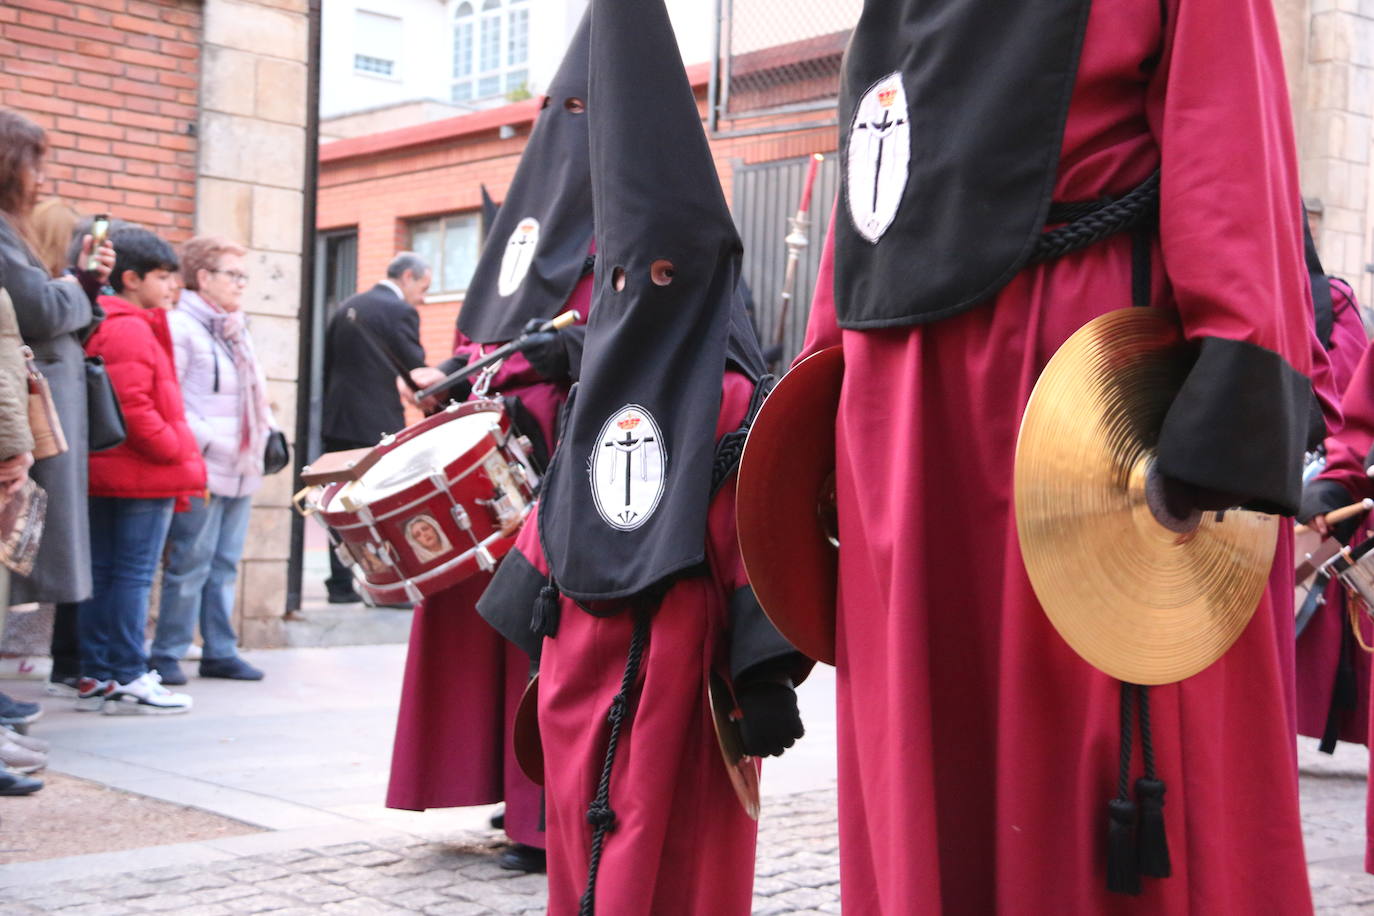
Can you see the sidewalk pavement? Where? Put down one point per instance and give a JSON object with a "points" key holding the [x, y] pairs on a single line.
{"points": [[304, 754]]}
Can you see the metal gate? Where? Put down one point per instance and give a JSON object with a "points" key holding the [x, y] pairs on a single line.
{"points": [[766, 195]]}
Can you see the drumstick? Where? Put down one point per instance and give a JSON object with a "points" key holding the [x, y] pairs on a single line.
{"points": [[515, 346], [382, 350], [1336, 516]]}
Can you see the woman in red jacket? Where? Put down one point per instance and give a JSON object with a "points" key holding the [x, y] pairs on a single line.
{"points": [[135, 486]]}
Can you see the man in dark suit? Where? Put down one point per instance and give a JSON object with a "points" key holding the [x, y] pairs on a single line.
{"points": [[361, 403]]}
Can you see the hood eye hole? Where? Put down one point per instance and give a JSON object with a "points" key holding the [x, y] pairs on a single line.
{"points": [[544, 104], [575, 105], [618, 279], [661, 272]]}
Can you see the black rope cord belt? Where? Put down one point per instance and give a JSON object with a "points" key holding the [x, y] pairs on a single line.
{"points": [[1094, 220], [599, 813]]}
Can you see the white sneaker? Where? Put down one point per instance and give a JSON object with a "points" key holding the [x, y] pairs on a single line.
{"points": [[91, 694], [19, 758], [145, 695], [25, 667]]}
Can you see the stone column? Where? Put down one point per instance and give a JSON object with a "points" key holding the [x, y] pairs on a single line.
{"points": [[249, 188], [1334, 144]]}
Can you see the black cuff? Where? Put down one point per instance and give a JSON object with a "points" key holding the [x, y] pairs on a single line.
{"points": [[756, 646], [574, 338], [508, 602], [452, 364], [1239, 425]]}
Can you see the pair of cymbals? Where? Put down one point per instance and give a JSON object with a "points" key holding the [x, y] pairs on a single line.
{"points": [[1141, 595]]}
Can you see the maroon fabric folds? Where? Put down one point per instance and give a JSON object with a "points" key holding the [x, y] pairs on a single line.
{"points": [[977, 752], [682, 844]]}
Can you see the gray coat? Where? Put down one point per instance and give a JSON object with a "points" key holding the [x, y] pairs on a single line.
{"points": [[53, 318]]}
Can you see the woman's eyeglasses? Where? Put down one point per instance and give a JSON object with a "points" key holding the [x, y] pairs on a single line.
{"points": [[237, 276]]}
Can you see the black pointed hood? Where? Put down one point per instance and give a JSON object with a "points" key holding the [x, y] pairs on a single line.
{"points": [[1323, 310], [624, 504], [536, 249]]}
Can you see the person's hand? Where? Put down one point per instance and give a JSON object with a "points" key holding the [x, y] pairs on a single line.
{"points": [[14, 471], [104, 258], [424, 376], [771, 722], [545, 351]]}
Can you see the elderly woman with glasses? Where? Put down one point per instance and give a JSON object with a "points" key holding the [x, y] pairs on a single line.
{"points": [[226, 406]]}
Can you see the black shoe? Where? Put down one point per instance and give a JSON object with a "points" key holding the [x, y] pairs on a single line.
{"points": [[232, 668], [169, 670], [348, 597], [13, 784], [519, 857], [498, 820], [13, 712]]}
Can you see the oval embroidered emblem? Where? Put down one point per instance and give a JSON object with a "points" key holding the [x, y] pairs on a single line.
{"points": [[878, 156], [515, 263], [628, 468]]}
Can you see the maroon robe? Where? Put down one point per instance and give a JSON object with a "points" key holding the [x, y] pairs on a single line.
{"points": [[977, 752], [463, 681], [681, 843], [1320, 645]]}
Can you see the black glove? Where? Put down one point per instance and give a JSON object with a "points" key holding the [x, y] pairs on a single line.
{"points": [[545, 351], [771, 722], [1320, 497]]}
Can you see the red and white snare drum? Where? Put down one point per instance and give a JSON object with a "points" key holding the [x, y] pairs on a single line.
{"points": [[439, 502]]}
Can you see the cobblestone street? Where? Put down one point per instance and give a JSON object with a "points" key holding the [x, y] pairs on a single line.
{"points": [[306, 768], [797, 871]]}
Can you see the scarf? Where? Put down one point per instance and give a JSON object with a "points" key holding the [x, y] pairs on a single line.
{"points": [[230, 331]]}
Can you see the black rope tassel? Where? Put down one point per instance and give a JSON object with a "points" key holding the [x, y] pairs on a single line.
{"points": [[599, 813], [1152, 842], [1123, 869], [544, 620]]}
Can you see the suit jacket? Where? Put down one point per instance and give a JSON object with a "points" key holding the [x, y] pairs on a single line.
{"points": [[360, 400]]}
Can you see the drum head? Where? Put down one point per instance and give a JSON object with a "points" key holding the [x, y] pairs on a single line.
{"points": [[413, 458]]}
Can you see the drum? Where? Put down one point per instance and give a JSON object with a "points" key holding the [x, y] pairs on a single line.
{"points": [[1355, 568], [438, 502]]}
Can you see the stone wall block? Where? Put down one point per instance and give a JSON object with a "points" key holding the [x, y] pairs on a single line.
{"points": [[263, 633], [1330, 37], [265, 30], [276, 339], [278, 489], [275, 288], [1361, 32], [280, 94], [229, 81], [247, 149], [224, 208], [1357, 138], [263, 588], [1327, 85], [277, 214], [269, 533]]}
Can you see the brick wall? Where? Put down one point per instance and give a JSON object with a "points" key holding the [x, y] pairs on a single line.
{"points": [[378, 187], [115, 83]]}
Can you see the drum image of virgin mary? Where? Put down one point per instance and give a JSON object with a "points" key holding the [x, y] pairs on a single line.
{"points": [[426, 539]]}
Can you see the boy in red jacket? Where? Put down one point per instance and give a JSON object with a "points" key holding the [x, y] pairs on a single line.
{"points": [[134, 486]]}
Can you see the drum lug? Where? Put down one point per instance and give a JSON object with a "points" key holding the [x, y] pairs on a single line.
{"points": [[461, 518], [485, 561], [345, 557], [412, 593]]}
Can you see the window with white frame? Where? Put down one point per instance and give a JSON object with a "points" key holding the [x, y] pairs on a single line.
{"points": [[451, 244], [376, 44], [491, 48]]}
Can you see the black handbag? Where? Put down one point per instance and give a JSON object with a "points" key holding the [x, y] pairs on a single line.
{"points": [[104, 417], [277, 455]]}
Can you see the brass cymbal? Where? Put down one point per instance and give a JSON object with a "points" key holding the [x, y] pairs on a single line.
{"points": [[1140, 595], [742, 769]]}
